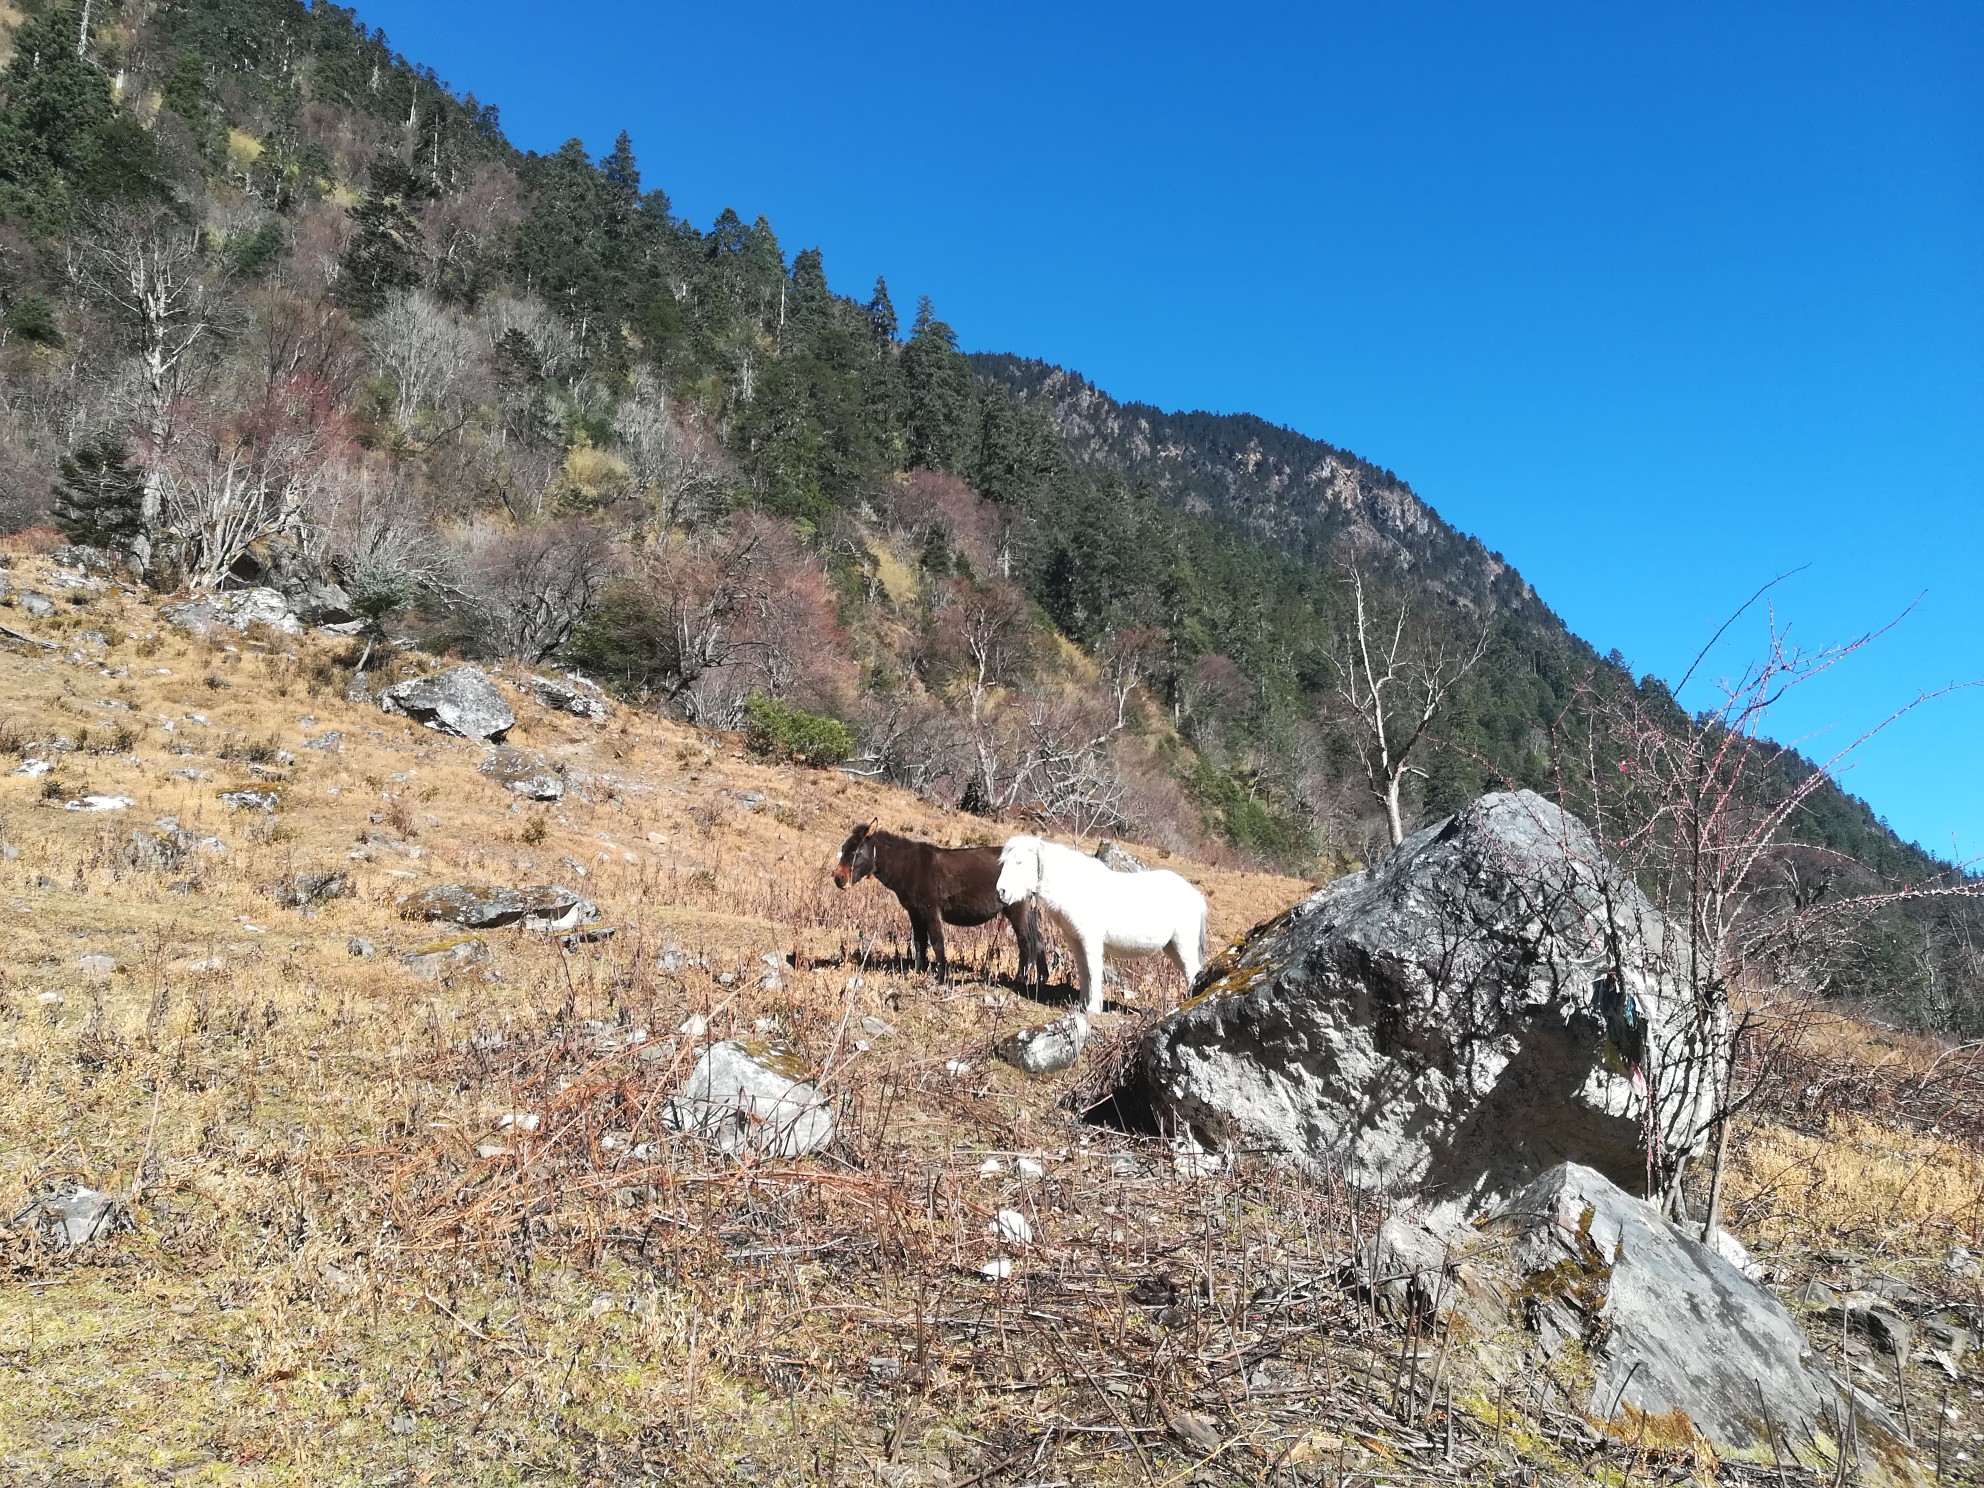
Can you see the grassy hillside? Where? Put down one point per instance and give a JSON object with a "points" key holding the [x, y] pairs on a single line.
{"points": [[347, 1266]]}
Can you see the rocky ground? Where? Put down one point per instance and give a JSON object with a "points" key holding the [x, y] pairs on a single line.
{"points": [[311, 1192]]}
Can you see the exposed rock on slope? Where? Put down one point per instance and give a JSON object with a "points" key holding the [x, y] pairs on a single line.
{"points": [[486, 907], [1493, 999], [460, 701], [1667, 1326]]}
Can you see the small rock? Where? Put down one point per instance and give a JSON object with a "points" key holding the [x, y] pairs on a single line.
{"points": [[999, 1268], [358, 945], [1194, 1430], [251, 800], [1010, 1227], [307, 890], [1866, 1314], [444, 958], [1027, 1168], [489, 1150], [991, 1168], [38, 605], [99, 803], [96, 965], [487, 907], [1122, 862], [1962, 1264], [70, 1215], [753, 1096], [575, 696], [527, 1121], [875, 1028], [694, 1026], [524, 774], [331, 742], [33, 767], [1048, 1048], [236, 610]]}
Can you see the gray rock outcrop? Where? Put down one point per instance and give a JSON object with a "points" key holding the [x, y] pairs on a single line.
{"points": [[575, 696], [1668, 1326], [1493, 999], [525, 774], [236, 609], [752, 1096], [489, 907], [460, 701]]}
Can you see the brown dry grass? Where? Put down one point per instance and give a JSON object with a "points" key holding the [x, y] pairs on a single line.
{"points": [[344, 1270]]}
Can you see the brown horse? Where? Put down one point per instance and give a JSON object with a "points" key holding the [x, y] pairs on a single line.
{"points": [[940, 886]]}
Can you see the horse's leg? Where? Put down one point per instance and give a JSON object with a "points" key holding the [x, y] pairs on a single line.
{"points": [[919, 936], [1016, 916], [1092, 946], [937, 941], [1184, 950]]}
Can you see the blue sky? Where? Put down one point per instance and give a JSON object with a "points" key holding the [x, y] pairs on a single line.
{"points": [[1656, 300]]}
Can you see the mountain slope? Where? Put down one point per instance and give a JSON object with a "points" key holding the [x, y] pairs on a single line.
{"points": [[1299, 494]]}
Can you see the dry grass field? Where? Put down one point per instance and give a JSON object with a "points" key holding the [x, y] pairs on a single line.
{"points": [[348, 1263]]}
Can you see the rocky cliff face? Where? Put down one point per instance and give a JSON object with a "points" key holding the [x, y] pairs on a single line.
{"points": [[1303, 495]]}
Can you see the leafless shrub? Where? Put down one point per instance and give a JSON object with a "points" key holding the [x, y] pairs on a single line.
{"points": [[524, 589]]}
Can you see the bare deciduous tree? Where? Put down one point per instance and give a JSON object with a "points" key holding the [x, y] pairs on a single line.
{"points": [[146, 266], [524, 589], [1394, 686], [426, 353], [235, 478], [675, 463], [1703, 810]]}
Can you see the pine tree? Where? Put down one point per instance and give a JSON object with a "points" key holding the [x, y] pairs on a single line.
{"points": [[882, 314], [387, 250], [63, 143], [940, 395], [101, 495]]}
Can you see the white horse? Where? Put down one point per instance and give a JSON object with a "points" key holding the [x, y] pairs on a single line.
{"points": [[1102, 911]]}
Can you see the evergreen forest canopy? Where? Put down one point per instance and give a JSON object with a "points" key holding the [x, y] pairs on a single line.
{"points": [[279, 306]]}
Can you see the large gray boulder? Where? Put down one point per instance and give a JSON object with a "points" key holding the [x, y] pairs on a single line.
{"points": [[460, 701], [752, 1096], [1667, 1326], [1491, 1000]]}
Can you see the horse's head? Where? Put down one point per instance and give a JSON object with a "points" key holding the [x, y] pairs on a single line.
{"points": [[1019, 869], [857, 856]]}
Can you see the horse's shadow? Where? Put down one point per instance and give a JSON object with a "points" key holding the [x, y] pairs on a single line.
{"points": [[901, 961]]}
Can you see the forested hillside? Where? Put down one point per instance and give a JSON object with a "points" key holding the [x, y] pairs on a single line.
{"points": [[281, 308]]}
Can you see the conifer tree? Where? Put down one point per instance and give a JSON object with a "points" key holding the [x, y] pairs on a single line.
{"points": [[387, 250], [939, 394], [101, 498], [882, 314]]}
